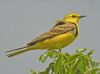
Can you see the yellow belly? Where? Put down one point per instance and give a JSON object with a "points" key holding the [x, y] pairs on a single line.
{"points": [[56, 42]]}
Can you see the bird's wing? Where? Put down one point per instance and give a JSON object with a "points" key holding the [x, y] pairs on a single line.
{"points": [[58, 29]]}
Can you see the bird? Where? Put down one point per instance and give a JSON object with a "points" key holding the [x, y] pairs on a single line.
{"points": [[62, 34]]}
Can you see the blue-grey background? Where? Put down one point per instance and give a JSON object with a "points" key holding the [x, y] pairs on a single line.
{"points": [[23, 20]]}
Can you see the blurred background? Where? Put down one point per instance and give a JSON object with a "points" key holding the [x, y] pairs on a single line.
{"points": [[23, 20]]}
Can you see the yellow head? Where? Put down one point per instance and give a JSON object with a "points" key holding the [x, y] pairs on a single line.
{"points": [[73, 17]]}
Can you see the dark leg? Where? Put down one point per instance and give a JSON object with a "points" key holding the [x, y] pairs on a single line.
{"points": [[60, 50]]}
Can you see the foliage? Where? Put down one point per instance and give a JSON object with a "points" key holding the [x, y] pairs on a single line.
{"points": [[65, 63]]}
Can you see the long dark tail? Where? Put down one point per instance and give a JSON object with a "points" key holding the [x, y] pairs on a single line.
{"points": [[18, 51]]}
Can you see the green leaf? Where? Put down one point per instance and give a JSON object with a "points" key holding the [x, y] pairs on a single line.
{"points": [[83, 66], [33, 72], [48, 69], [82, 50], [96, 64], [58, 65], [43, 57], [94, 71], [65, 63], [73, 58], [53, 54], [90, 52], [67, 54], [74, 67]]}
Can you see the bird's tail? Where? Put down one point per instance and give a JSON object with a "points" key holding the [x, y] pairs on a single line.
{"points": [[18, 51]]}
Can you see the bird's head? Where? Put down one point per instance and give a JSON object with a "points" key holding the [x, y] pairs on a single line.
{"points": [[73, 17]]}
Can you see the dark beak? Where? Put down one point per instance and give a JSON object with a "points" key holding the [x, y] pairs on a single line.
{"points": [[82, 16]]}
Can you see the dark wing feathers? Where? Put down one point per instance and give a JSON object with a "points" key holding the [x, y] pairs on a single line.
{"points": [[40, 38], [59, 23], [58, 29]]}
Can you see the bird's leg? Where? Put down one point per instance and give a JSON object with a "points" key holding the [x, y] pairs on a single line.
{"points": [[60, 50]]}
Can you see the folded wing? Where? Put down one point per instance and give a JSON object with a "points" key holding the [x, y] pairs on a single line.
{"points": [[59, 28]]}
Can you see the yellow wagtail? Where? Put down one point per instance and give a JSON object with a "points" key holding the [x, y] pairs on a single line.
{"points": [[61, 35]]}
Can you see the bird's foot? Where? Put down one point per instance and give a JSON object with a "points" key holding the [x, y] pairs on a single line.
{"points": [[60, 50]]}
